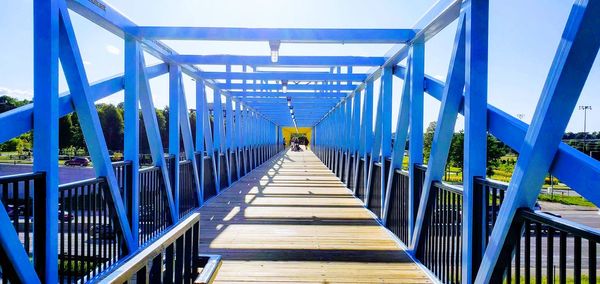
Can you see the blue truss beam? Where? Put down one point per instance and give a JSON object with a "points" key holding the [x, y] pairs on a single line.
{"points": [[291, 87], [511, 131], [290, 76], [20, 120], [272, 34], [87, 114], [298, 61], [188, 140], [435, 20], [153, 135], [440, 146], [315, 95], [567, 76], [113, 21]]}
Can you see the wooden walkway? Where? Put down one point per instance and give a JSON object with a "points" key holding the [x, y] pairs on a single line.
{"points": [[292, 220]]}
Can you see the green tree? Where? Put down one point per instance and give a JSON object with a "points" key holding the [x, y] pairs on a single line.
{"points": [[7, 103], [65, 132], [428, 139], [77, 139], [456, 153], [495, 150], [11, 145], [111, 120]]}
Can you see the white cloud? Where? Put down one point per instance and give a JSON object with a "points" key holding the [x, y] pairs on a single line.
{"points": [[16, 93], [85, 62], [113, 49]]}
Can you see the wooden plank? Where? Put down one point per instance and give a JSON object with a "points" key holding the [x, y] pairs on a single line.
{"points": [[292, 220]]}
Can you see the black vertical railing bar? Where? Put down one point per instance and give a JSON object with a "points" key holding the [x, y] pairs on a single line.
{"points": [[398, 207], [533, 237], [187, 188], [88, 240], [153, 210], [440, 250], [20, 210], [374, 198]]}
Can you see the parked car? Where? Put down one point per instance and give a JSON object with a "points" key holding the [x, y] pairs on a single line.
{"points": [[10, 209], [147, 213], [102, 232], [78, 161], [65, 216]]}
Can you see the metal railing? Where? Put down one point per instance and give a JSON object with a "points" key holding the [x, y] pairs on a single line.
{"points": [[172, 258], [153, 207], [16, 193], [398, 214], [374, 193], [88, 240], [361, 178], [440, 247], [188, 199]]}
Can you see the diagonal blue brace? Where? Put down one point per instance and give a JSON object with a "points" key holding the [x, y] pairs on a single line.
{"points": [[451, 102], [188, 140], [571, 66], [153, 133], [90, 123], [399, 140]]}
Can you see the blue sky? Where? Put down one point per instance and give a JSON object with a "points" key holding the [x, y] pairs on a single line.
{"points": [[523, 38]]}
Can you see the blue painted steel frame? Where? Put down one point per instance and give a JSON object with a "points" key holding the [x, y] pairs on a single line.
{"points": [[468, 69], [281, 35], [569, 71]]}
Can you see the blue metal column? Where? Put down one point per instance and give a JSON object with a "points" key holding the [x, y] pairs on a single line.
{"points": [[416, 75], [228, 135], [475, 143], [376, 149], [200, 122], [367, 129], [386, 128], [45, 150], [218, 134], [174, 139], [131, 115]]}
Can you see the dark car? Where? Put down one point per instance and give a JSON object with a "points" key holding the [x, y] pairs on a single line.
{"points": [[10, 209], [78, 161], [147, 213], [103, 232], [65, 216]]}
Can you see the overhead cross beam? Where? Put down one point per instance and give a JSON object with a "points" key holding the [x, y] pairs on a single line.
{"points": [[297, 76], [288, 94], [300, 61], [270, 34], [290, 87]]}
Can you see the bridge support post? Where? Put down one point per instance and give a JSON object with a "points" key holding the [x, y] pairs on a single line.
{"points": [[174, 129], [475, 143], [415, 148], [45, 137], [131, 147]]}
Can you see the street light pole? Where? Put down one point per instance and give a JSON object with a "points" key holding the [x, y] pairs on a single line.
{"points": [[585, 108]]}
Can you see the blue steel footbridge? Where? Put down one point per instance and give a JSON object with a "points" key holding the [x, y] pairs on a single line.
{"points": [[227, 202]]}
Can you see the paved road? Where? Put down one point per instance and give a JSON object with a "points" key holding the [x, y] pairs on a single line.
{"points": [[65, 174], [588, 216]]}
